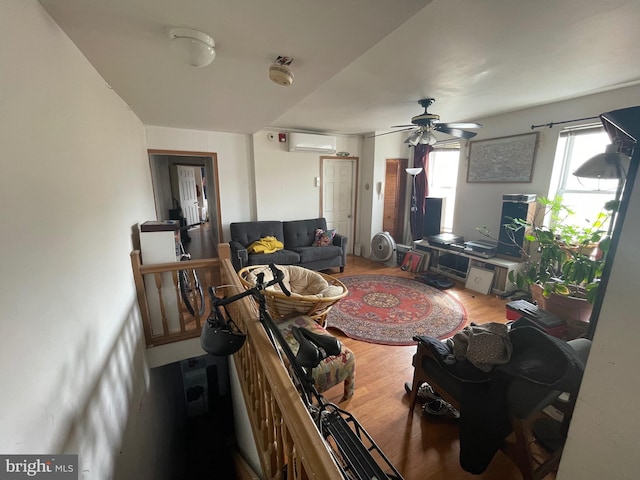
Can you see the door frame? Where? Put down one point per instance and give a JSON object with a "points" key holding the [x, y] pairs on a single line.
{"points": [[400, 206], [354, 194], [213, 184]]}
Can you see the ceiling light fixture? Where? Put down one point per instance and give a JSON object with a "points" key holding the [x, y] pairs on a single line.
{"points": [[279, 71], [428, 138], [421, 136], [194, 48], [413, 138]]}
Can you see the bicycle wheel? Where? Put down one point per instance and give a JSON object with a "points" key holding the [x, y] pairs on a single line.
{"points": [[191, 291]]}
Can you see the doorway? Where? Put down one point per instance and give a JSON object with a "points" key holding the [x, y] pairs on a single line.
{"points": [[186, 184], [187, 181], [395, 194], [338, 194]]}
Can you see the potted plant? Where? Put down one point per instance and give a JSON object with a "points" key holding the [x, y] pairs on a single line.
{"points": [[563, 262]]}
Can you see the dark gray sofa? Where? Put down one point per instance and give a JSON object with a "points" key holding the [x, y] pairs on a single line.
{"points": [[297, 237]]}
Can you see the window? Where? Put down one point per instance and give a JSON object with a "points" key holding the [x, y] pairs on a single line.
{"points": [[443, 175], [585, 196]]}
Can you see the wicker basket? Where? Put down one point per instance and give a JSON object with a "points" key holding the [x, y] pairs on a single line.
{"points": [[281, 306]]}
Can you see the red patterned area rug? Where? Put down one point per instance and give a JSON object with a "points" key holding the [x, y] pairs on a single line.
{"points": [[392, 310]]}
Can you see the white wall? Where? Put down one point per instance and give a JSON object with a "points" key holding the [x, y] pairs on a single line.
{"points": [[74, 182], [285, 181], [376, 151]]}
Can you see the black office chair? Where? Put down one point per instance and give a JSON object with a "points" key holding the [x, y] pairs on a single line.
{"points": [[498, 410]]}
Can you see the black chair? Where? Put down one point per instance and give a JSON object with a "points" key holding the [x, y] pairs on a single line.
{"points": [[513, 402]]}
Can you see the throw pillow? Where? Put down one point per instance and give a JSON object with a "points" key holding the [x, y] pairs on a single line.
{"points": [[324, 238]]}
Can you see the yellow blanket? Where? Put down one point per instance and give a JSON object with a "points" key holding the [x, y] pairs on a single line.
{"points": [[265, 245]]}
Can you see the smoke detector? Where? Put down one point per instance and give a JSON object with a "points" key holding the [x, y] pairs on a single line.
{"points": [[280, 73]]}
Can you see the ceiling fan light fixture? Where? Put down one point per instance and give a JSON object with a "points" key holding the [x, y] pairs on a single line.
{"points": [[428, 138], [193, 47], [414, 138], [423, 126], [421, 136]]}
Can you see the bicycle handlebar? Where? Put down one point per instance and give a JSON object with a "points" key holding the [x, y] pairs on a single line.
{"points": [[278, 277]]}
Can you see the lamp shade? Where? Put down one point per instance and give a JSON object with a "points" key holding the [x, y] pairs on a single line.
{"points": [[414, 138], [608, 165], [413, 171], [421, 136], [193, 47], [428, 138]]}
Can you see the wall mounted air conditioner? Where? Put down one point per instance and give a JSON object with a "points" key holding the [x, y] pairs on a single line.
{"points": [[309, 142]]}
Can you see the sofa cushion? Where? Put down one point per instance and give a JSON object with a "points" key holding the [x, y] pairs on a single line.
{"points": [[265, 245], [246, 233], [282, 257], [312, 254], [302, 233]]}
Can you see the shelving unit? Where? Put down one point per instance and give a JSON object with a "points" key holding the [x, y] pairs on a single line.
{"points": [[459, 269]]}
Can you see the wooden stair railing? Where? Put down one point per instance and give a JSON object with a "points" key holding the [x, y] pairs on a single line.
{"points": [[285, 434], [287, 440], [188, 325]]}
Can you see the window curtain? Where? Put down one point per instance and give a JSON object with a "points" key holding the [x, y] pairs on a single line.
{"points": [[420, 159]]}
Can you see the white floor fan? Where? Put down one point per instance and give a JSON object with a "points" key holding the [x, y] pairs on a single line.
{"points": [[383, 248]]}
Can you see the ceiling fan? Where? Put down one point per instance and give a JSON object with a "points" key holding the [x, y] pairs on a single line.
{"points": [[423, 126]]}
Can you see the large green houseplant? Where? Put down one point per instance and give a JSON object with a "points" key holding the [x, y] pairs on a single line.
{"points": [[560, 259]]}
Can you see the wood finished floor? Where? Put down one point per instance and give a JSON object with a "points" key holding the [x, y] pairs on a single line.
{"points": [[200, 245], [420, 449]]}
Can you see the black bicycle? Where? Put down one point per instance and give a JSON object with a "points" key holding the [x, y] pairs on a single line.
{"points": [[354, 450], [189, 285]]}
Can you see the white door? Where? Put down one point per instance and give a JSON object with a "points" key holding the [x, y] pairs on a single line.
{"points": [[338, 197], [188, 194]]}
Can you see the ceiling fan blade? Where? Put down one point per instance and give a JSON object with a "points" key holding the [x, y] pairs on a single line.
{"points": [[394, 131], [426, 123], [456, 132], [459, 124]]}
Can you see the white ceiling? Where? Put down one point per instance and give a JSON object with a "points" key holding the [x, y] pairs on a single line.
{"points": [[359, 65]]}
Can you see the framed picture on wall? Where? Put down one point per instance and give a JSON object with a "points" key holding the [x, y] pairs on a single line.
{"points": [[502, 160]]}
